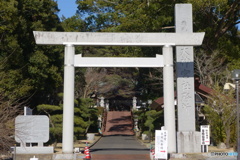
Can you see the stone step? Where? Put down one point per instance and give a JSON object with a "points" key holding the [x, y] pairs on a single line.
{"points": [[119, 123]]}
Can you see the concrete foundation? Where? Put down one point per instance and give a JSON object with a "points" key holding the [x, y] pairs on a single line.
{"points": [[50, 156], [39, 156], [189, 142], [34, 150], [64, 156]]}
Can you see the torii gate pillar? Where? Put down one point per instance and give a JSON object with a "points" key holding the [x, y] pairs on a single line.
{"points": [[168, 91], [68, 99]]}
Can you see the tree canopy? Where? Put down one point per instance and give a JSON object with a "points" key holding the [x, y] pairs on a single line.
{"points": [[32, 70]]}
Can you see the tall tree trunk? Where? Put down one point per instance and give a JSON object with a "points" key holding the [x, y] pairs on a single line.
{"points": [[228, 135], [89, 119]]}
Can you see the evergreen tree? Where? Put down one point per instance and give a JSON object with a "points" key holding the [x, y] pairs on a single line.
{"points": [[85, 117], [29, 70]]}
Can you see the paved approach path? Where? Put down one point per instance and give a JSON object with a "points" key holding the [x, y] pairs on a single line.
{"points": [[119, 148]]}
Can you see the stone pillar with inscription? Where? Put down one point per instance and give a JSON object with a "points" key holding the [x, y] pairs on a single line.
{"points": [[188, 139]]}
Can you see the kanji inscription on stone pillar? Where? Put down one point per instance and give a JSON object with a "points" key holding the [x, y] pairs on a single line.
{"points": [[185, 71]]}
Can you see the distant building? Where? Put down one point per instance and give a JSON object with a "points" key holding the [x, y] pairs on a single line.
{"points": [[201, 94]]}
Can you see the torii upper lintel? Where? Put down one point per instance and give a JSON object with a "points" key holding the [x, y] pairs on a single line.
{"points": [[118, 39]]}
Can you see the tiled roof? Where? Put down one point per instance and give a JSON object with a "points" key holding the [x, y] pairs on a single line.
{"points": [[199, 89]]}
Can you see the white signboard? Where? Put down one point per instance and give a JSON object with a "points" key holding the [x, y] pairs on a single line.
{"points": [[30, 129], [161, 139], [205, 135]]}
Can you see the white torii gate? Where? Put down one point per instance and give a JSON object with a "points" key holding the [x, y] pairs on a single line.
{"points": [[71, 39]]}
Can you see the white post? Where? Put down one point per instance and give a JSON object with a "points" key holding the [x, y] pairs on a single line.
{"points": [[169, 108], [134, 103], [102, 102], [68, 100]]}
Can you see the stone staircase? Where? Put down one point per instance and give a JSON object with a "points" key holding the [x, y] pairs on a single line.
{"points": [[119, 123]]}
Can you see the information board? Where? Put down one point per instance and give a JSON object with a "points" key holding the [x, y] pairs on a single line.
{"points": [[30, 129], [205, 135], [161, 139]]}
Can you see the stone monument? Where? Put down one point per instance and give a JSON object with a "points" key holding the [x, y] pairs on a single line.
{"points": [[29, 130], [188, 139]]}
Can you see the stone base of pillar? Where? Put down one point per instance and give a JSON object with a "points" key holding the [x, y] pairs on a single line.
{"points": [[67, 156], [189, 142]]}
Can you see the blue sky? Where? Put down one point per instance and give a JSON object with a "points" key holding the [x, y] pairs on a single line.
{"points": [[67, 8]]}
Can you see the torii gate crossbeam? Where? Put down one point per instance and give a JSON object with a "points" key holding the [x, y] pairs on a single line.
{"points": [[148, 62], [71, 39]]}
